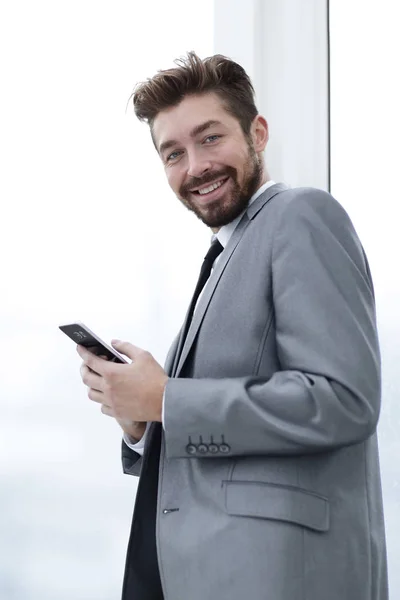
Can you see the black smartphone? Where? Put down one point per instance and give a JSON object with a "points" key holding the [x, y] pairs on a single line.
{"points": [[80, 334]]}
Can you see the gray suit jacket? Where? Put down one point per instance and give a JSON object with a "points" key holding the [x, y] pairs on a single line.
{"points": [[269, 483]]}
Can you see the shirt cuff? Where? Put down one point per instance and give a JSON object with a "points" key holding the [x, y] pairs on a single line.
{"points": [[136, 446]]}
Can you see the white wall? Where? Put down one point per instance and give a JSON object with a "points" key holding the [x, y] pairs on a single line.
{"points": [[282, 44], [88, 230]]}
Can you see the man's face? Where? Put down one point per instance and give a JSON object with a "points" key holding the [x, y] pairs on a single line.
{"points": [[210, 164]]}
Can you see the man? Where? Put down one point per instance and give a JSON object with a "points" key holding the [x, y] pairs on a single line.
{"points": [[259, 477]]}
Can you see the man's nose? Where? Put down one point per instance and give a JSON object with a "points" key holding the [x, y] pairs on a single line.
{"points": [[198, 164]]}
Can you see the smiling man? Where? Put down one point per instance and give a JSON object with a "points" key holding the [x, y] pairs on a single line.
{"points": [[256, 443]]}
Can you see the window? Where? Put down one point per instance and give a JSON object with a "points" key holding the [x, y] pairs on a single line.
{"points": [[80, 186]]}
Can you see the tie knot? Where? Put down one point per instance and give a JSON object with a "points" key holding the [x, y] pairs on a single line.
{"points": [[214, 250]]}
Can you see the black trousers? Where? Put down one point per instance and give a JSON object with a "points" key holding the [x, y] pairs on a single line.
{"points": [[142, 575]]}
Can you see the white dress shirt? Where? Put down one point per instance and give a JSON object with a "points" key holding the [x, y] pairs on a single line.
{"points": [[223, 237]]}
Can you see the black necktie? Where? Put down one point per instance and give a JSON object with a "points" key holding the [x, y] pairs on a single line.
{"points": [[214, 250]]}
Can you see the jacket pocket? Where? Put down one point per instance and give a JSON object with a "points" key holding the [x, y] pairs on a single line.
{"points": [[277, 502]]}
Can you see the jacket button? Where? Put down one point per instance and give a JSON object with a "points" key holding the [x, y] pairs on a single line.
{"points": [[213, 448], [224, 448], [191, 449], [202, 448]]}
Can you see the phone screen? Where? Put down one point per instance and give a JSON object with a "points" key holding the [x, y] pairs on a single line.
{"points": [[82, 335]]}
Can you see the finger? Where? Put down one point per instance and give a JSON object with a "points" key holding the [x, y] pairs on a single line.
{"points": [[127, 348], [107, 410], [95, 363], [96, 395], [92, 379]]}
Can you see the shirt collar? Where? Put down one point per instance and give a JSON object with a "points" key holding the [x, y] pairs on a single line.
{"points": [[226, 231]]}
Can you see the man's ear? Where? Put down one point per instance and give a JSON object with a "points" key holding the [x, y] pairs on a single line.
{"points": [[260, 133]]}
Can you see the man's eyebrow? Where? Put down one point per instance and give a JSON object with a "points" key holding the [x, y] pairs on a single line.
{"points": [[196, 131], [203, 126], [165, 145]]}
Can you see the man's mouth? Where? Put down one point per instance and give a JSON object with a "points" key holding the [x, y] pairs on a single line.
{"points": [[209, 187]]}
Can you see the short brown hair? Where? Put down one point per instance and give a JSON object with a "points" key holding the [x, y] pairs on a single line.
{"points": [[193, 75]]}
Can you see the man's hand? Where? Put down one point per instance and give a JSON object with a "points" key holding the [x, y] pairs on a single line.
{"points": [[131, 393], [134, 429]]}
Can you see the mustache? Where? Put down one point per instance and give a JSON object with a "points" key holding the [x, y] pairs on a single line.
{"points": [[209, 177]]}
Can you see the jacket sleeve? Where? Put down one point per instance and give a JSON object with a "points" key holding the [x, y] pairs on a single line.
{"points": [[327, 393]]}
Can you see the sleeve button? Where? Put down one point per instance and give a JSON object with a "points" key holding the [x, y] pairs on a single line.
{"points": [[213, 448], [224, 448], [191, 449], [202, 448]]}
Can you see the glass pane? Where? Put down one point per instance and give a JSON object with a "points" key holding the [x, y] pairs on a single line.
{"points": [[365, 129], [80, 185]]}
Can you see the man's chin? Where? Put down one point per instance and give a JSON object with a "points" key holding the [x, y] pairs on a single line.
{"points": [[216, 215]]}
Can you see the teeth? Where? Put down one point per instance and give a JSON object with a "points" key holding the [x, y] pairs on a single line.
{"points": [[209, 189]]}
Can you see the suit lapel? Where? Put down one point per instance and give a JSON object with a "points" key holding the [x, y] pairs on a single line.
{"points": [[169, 367], [269, 193], [170, 361], [184, 346], [179, 345]]}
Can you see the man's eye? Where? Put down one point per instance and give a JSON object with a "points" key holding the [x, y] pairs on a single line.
{"points": [[212, 138], [172, 156]]}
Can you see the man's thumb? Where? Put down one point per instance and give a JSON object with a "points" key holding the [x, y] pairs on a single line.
{"points": [[126, 348]]}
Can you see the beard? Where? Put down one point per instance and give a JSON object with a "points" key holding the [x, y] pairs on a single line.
{"points": [[235, 201]]}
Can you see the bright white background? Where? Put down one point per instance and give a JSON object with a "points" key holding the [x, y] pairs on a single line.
{"points": [[365, 130], [89, 230]]}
